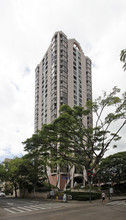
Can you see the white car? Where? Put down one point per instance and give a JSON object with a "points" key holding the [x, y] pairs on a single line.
{"points": [[2, 194]]}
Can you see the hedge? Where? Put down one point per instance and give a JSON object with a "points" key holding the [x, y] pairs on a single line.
{"points": [[84, 196]]}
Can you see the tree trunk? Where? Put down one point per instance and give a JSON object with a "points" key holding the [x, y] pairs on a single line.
{"points": [[15, 189]]}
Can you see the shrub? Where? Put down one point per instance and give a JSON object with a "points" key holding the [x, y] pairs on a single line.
{"points": [[84, 196]]}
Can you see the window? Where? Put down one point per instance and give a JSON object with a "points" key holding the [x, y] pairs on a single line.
{"points": [[74, 53], [75, 102]]}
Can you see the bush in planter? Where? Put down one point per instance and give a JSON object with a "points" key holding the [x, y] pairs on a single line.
{"points": [[84, 196]]}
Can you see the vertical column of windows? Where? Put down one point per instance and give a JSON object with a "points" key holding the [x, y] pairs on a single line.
{"points": [[88, 79], [63, 70], [88, 88], [54, 78], [36, 97], [44, 89], [77, 76]]}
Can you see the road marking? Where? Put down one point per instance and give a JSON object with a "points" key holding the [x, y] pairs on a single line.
{"points": [[113, 203], [16, 209], [29, 210], [9, 210], [30, 207], [38, 206], [35, 207], [56, 207]]}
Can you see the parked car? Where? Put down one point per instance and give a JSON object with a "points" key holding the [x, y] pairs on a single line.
{"points": [[2, 194]]}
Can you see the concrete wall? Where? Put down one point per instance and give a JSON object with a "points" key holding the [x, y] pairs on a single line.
{"points": [[43, 195]]}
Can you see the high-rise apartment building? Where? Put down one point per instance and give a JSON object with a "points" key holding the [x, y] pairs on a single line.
{"points": [[62, 77]]}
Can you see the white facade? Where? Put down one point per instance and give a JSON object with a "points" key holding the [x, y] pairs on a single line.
{"points": [[62, 77]]}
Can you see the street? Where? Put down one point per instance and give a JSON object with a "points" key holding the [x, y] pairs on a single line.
{"points": [[28, 209], [13, 207]]}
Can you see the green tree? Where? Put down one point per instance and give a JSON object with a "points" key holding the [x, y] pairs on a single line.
{"points": [[25, 171], [13, 174], [112, 167], [123, 58], [36, 169], [69, 139], [2, 172], [43, 146]]}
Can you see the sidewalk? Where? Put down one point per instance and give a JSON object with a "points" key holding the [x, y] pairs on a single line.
{"points": [[114, 198], [117, 198]]}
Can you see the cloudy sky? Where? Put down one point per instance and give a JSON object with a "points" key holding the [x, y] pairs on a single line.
{"points": [[26, 29]]}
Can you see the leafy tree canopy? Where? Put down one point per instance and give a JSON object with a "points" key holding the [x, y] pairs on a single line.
{"points": [[123, 58], [69, 139], [2, 172], [112, 168], [24, 171]]}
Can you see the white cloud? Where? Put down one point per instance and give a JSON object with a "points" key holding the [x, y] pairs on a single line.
{"points": [[27, 27]]}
